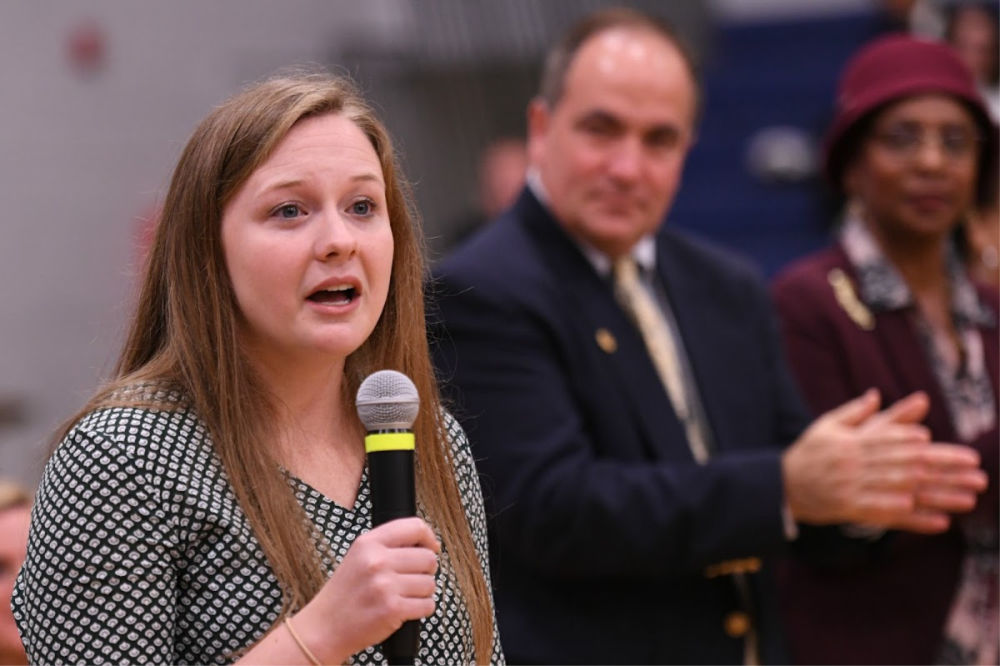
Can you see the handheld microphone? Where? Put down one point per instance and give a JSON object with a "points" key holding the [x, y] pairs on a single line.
{"points": [[387, 404]]}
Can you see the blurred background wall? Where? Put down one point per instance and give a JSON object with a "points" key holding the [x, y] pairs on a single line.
{"points": [[98, 98]]}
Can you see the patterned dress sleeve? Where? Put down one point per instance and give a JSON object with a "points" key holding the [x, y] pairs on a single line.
{"points": [[98, 584], [472, 499]]}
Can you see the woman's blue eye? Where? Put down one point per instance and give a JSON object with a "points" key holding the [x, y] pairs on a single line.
{"points": [[363, 207], [288, 211]]}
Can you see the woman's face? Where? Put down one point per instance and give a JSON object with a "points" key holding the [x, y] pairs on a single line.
{"points": [[915, 172], [308, 245]]}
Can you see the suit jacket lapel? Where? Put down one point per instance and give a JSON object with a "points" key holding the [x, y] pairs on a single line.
{"points": [[593, 298], [697, 328], [904, 355]]}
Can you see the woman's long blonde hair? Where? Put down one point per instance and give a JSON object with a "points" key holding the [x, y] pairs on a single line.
{"points": [[184, 333]]}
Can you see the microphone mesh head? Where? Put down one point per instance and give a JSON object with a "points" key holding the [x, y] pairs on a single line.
{"points": [[387, 400]]}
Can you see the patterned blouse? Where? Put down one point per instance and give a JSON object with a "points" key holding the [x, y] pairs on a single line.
{"points": [[140, 553]]}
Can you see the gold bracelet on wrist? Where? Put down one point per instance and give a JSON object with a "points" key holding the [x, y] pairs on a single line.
{"points": [[302, 646]]}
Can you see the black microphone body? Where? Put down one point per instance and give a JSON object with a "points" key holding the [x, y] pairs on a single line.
{"points": [[391, 480], [390, 477], [387, 404]]}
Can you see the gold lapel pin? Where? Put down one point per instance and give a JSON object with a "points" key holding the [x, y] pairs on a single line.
{"points": [[606, 340], [849, 301]]}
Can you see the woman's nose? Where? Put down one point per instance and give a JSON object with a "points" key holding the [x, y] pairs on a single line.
{"points": [[931, 154], [334, 237]]}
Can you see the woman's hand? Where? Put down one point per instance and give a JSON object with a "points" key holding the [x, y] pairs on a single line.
{"points": [[386, 578]]}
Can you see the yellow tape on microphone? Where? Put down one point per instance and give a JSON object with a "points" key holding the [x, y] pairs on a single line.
{"points": [[389, 441]]}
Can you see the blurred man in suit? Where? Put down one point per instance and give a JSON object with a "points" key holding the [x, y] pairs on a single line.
{"points": [[639, 436]]}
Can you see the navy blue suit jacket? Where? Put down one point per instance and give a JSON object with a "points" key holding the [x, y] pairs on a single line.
{"points": [[604, 531]]}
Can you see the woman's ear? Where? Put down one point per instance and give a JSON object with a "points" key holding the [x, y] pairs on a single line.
{"points": [[851, 177]]}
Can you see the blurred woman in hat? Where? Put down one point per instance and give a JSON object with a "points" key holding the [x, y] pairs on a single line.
{"points": [[890, 305]]}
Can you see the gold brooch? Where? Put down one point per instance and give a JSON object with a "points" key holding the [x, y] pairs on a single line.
{"points": [[606, 340], [849, 301]]}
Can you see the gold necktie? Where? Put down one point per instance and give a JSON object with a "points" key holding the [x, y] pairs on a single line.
{"points": [[662, 348]]}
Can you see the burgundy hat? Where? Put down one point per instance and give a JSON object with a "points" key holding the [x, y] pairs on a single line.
{"points": [[890, 68]]}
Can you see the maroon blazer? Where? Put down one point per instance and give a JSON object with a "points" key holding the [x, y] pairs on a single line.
{"points": [[861, 601]]}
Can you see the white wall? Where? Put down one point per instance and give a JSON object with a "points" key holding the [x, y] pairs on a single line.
{"points": [[81, 157]]}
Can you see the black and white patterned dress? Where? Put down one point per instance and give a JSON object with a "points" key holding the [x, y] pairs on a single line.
{"points": [[140, 553]]}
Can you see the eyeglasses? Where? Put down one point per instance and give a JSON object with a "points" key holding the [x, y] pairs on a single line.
{"points": [[905, 141]]}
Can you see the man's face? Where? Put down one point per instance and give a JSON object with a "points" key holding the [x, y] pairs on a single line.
{"points": [[611, 151]]}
